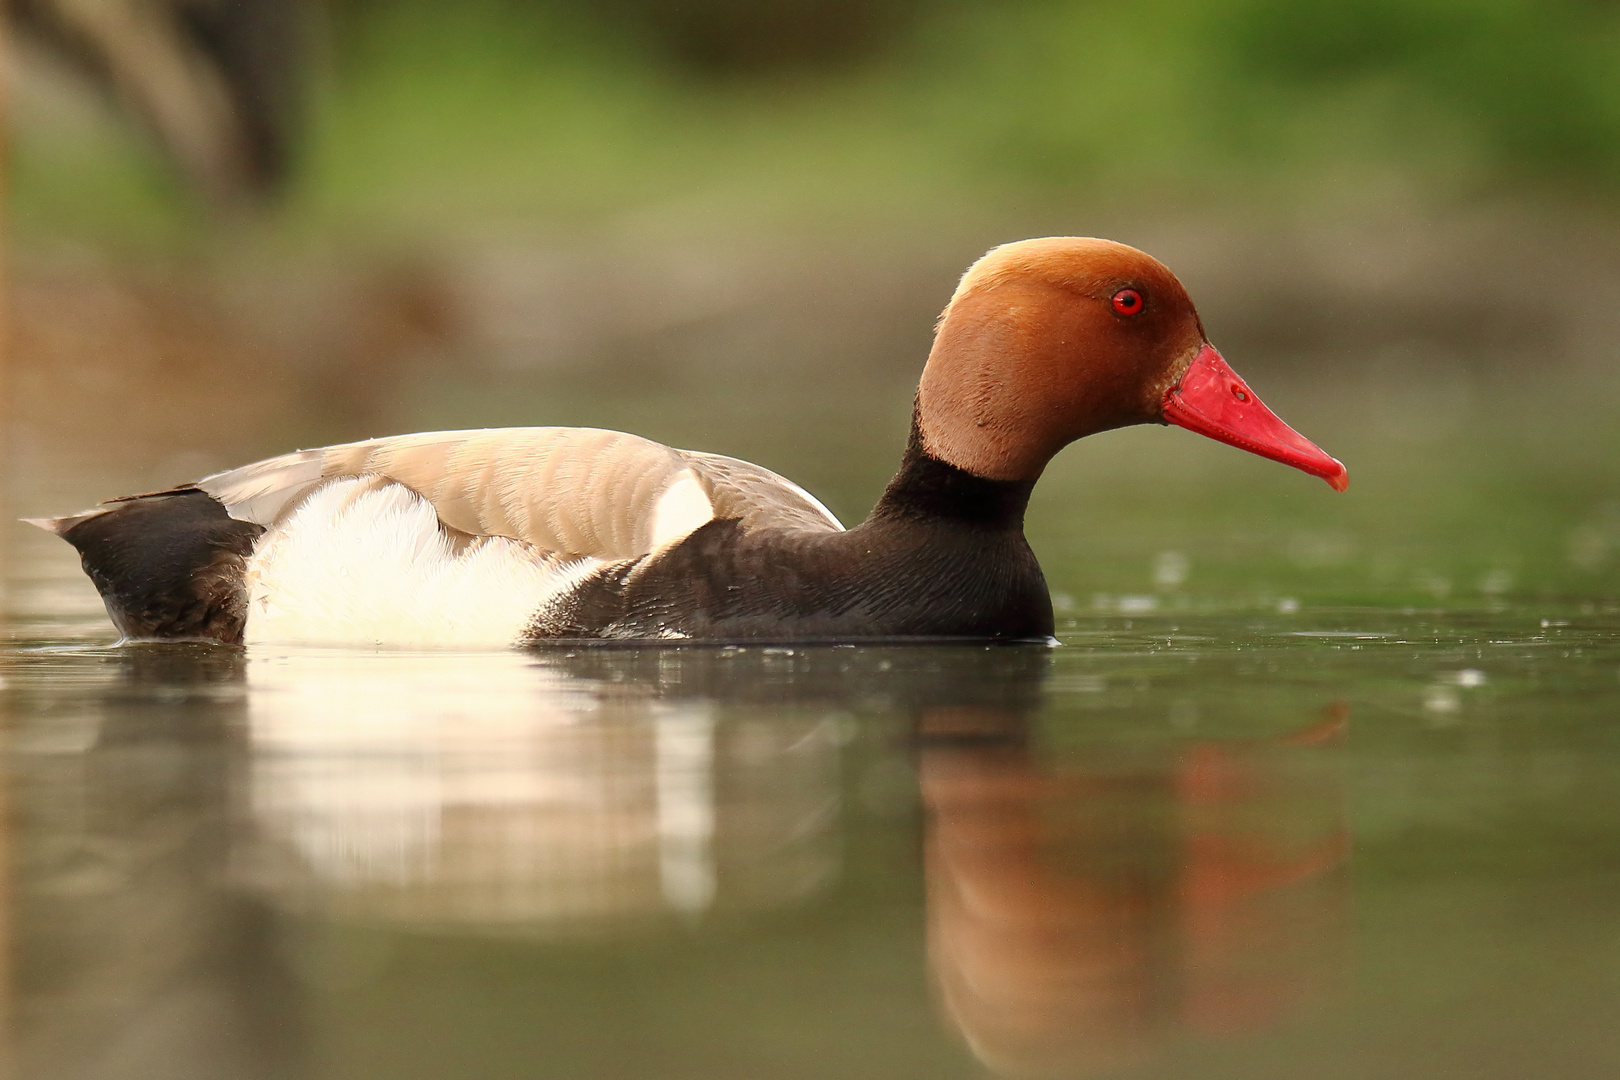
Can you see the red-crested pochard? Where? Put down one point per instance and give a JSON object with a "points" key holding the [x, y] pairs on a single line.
{"points": [[525, 535]]}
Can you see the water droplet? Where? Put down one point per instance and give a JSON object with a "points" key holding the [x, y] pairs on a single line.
{"points": [[1441, 699], [1170, 569]]}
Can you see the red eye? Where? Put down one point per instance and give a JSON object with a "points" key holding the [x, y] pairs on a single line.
{"points": [[1128, 302]]}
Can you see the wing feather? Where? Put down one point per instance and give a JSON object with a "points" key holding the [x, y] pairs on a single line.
{"points": [[758, 497], [578, 491]]}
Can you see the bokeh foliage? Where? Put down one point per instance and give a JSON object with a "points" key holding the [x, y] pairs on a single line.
{"points": [[427, 113]]}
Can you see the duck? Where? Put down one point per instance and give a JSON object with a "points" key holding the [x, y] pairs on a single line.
{"points": [[509, 537]]}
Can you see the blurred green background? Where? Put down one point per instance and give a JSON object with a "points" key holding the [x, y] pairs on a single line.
{"points": [[425, 116]]}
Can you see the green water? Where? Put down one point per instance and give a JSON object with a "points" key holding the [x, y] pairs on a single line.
{"points": [[1315, 786]]}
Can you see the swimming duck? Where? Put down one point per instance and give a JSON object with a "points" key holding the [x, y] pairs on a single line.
{"points": [[518, 536]]}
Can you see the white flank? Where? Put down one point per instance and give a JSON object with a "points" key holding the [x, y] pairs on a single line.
{"points": [[366, 562]]}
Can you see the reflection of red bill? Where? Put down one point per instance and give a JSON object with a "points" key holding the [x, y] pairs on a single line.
{"points": [[1264, 909], [1211, 400]]}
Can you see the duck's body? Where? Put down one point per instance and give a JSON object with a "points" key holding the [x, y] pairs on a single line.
{"points": [[525, 535], [338, 546]]}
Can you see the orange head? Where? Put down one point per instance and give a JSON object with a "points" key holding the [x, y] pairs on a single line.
{"points": [[1049, 340]]}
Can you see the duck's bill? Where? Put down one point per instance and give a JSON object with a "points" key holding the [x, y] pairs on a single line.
{"points": [[1211, 400]]}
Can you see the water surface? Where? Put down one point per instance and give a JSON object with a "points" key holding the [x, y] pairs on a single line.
{"points": [[1320, 841]]}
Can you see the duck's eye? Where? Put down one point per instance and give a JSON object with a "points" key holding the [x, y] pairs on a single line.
{"points": [[1128, 302]]}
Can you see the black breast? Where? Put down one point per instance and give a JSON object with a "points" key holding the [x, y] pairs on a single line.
{"points": [[942, 555]]}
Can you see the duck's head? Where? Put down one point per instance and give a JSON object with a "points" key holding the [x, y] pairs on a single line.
{"points": [[1048, 340]]}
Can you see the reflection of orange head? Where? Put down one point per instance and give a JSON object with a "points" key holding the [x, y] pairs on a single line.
{"points": [[1075, 914], [1044, 972]]}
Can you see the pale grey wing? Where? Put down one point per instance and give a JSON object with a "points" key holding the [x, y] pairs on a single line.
{"points": [[262, 491], [575, 491], [579, 491], [758, 497]]}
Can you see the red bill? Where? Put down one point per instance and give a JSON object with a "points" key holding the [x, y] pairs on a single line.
{"points": [[1211, 400]]}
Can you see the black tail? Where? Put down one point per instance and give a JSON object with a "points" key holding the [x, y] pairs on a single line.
{"points": [[168, 565]]}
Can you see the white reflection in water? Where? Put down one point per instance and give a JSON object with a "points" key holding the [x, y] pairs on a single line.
{"points": [[490, 789], [686, 806]]}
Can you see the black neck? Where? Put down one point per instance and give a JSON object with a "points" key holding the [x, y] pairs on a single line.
{"points": [[928, 489]]}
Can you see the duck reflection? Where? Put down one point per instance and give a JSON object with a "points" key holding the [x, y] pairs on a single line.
{"points": [[554, 792], [237, 838], [1082, 907], [551, 794]]}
